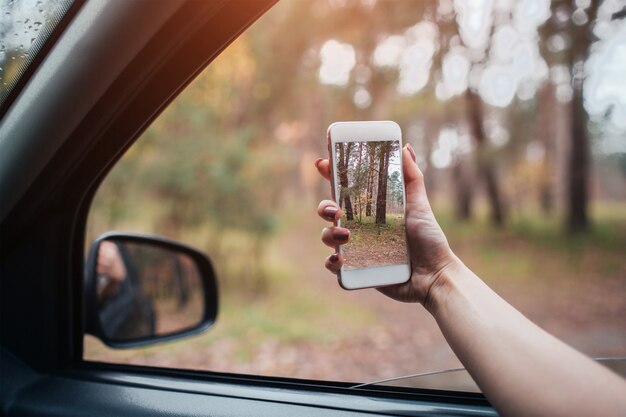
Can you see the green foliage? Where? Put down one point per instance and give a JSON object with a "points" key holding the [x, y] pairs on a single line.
{"points": [[215, 171], [200, 174]]}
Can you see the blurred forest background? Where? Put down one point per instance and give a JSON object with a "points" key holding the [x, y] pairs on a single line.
{"points": [[517, 111]]}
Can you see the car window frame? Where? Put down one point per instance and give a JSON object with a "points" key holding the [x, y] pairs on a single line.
{"points": [[41, 54], [280, 382]]}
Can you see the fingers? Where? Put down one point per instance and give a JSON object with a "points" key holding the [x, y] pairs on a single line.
{"points": [[413, 181], [329, 210], [412, 174], [334, 262], [323, 167], [335, 236], [103, 265]]}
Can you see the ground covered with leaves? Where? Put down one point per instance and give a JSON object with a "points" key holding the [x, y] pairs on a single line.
{"points": [[303, 325], [374, 244]]}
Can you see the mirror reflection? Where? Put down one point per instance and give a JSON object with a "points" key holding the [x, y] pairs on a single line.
{"points": [[144, 290]]}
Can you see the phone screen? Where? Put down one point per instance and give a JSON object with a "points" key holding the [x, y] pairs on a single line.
{"points": [[370, 192]]}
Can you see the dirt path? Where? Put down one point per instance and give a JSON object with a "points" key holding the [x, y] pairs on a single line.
{"points": [[404, 338], [399, 339], [567, 294], [374, 245]]}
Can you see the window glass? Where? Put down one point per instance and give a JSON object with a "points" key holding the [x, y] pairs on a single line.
{"points": [[517, 111], [25, 25]]}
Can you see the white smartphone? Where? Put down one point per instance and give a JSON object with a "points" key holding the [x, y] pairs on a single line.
{"points": [[368, 184]]}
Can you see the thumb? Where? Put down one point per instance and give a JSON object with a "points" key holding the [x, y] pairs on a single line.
{"points": [[413, 183]]}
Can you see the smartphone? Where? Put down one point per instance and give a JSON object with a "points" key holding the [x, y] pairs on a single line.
{"points": [[368, 184]]}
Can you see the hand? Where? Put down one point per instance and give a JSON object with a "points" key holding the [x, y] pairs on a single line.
{"points": [[111, 269], [429, 251], [110, 262]]}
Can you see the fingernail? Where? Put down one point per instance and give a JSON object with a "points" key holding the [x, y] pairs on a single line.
{"points": [[330, 212], [333, 258], [317, 161], [340, 234], [412, 152]]}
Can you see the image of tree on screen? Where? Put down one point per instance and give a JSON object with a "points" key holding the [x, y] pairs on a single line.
{"points": [[371, 199]]}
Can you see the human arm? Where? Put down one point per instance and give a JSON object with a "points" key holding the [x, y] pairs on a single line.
{"points": [[520, 368], [111, 270]]}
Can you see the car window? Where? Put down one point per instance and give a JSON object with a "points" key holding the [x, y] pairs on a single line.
{"points": [[24, 28], [517, 112]]}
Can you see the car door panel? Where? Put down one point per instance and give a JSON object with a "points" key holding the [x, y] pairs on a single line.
{"points": [[120, 390], [146, 396]]}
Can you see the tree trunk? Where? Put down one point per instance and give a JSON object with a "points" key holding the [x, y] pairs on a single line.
{"points": [[344, 157], [463, 190], [578, 166], [493, 192], [342, 175], [486, 168], [381, 200], [546, 132], [370, 179], [181, 285], [359, 184], [579, 160]]}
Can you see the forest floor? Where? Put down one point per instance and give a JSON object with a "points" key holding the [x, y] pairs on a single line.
{"points": [[374, 244], [305, 326]]}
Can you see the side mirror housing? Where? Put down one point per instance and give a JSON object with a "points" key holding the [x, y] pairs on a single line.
{"points": [[140, 290]]}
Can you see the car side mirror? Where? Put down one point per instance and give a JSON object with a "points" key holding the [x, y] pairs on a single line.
{"points": [[140, 290]]}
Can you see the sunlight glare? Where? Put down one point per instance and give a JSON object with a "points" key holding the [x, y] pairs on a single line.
{"points": [[338, 60]]}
